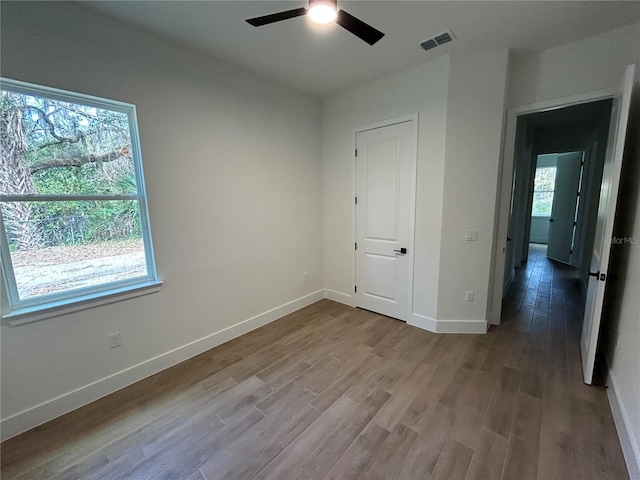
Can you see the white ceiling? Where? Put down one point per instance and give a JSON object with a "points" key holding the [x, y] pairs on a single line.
{"points": [[324, 60]]}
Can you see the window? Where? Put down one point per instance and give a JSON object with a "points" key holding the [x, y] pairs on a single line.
{"points": [[74, 223], [543, 187]]}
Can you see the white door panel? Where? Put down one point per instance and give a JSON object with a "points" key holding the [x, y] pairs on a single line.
{"points": [[604, 227], [381, 277], [563, 211], [382, 171], [385, 183]]}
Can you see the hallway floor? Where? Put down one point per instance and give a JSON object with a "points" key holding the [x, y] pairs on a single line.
{"points": [[543, 315]]}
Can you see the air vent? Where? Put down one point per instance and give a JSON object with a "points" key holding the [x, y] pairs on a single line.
{"points": [[440, 39]]}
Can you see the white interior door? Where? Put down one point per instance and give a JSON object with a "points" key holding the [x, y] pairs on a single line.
{"points": [[604, 228], [563, 211], [385, 201]]}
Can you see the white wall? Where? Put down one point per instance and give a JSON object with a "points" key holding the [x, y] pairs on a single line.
{"points": [[475, 117], [621, 322], [234, 179], [587, 65], [424, 90]]}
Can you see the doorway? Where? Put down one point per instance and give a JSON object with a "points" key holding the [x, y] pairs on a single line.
{"points": [[385, 179], [559, 159], [605, 160]]}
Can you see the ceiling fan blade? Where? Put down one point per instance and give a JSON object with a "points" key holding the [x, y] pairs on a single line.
{"points": [[277, 17], [358, 28]]}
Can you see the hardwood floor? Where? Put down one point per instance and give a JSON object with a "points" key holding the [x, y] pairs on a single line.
{"points": [[338, 393]]}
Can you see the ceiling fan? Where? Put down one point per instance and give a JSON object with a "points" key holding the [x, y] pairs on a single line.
{"points": [[324, 11]]}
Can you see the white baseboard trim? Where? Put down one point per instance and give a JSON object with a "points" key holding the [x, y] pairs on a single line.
{"points": [[630, 443], [422, 322], [447, 326], [39, 414], [339, 297]]}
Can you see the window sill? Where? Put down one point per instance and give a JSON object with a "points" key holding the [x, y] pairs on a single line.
{"points": [[21, 316]]}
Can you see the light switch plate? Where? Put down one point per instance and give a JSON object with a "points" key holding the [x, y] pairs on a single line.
{"points": [[471, 235]]}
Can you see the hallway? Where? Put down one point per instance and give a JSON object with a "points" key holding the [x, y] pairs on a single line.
{"points": [[542, 316]]}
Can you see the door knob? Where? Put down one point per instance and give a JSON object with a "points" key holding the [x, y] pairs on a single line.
{"points": [[551, 219], [594, 274], [401, 251]]}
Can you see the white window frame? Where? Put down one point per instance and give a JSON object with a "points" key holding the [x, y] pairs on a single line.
{"points": [[43, 306]]}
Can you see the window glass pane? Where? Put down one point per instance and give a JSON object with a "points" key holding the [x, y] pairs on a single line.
{"points": [[60, 148], [60, 246], [545, 179], [542, 203]]}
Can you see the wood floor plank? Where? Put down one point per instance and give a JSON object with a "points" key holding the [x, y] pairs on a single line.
{"points": [[556, 458], [257, 448], [471, 414], [522, 455], [488, 457], [453, 462], [428, 396], [289, 461], [503, 405], [358, 456], [402, 396], [329, 452], [391, 454], [423, 455]]}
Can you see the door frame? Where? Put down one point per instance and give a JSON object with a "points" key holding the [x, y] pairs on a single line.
{"points": [[505, 183], [413, 118]]}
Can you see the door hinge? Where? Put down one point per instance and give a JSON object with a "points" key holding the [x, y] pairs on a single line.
{"points": [[578, 194], [355, 288], [575, 223], [571, 252], [356, 152], [356, 245], [356, 200]]}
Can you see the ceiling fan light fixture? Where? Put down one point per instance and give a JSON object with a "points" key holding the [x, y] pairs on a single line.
{"points": [[322, 12]]}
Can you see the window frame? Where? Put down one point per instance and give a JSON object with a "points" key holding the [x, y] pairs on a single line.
{"points": [[80, 298], [533, 194]]}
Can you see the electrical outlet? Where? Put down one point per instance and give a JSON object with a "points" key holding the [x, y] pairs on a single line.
{"points": [[471, 236], [470, 295], [306, 277], [115, 340]]}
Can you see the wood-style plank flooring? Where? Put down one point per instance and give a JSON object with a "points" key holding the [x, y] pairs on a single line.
{"points": [[331, 392]]}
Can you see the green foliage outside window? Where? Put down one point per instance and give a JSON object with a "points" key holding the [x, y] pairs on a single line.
{"points": [[543, 188]]}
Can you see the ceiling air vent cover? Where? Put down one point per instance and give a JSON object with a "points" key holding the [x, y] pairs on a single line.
{"points": [[440, 39]]}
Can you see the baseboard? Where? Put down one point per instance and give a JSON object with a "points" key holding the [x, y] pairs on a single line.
{"points": [[339, 297], [39, 414], [422, 322], [630, 444], [447, 326]]}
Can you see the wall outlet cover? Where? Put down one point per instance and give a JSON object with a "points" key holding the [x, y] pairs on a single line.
{"points": [[471, 235]]}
